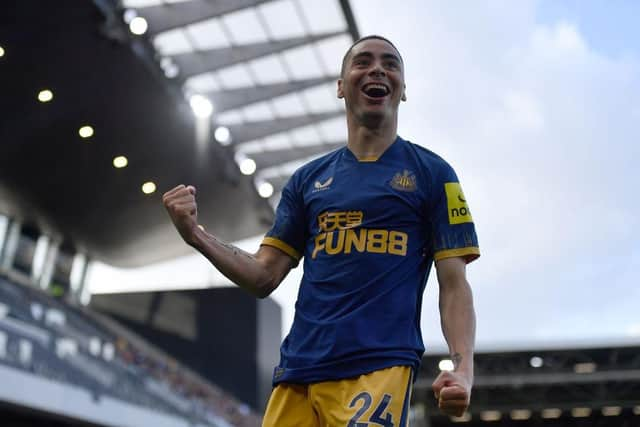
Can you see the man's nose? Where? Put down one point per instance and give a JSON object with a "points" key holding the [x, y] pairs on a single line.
{"points": [[377, 70]]}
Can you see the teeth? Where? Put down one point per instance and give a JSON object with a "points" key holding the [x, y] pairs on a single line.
{"points": [[375, 86]]}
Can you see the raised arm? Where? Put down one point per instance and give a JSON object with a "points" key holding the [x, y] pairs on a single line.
{"points": [[453, 389], [258, 273]]}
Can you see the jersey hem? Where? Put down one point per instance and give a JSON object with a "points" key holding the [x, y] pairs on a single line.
{"points": [[284, 247], [343, 370], [469, 253]]}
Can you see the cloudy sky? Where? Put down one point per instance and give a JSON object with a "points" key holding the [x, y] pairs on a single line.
{"points": [[535, 104]]}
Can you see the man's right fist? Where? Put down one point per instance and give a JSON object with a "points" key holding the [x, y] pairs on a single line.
{"points": [[180, 203]]}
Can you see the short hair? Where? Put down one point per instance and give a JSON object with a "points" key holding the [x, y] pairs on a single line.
{"points": [[361, 39]]}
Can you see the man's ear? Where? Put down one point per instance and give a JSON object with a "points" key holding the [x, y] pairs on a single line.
{"points": [[340, 91], [404, 93]]}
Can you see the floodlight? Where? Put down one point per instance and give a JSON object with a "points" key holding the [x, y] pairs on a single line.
{"points": [[148, 187], [120, 162], [551, 413], [265, 189], [446, 365], [580, 412], [520, 414], [45, 95], [85, 132], [611, 411], [201, 106], [536, 362], [138, 25], [247, 166], [490, 415], [222, 135], [585, 368]]}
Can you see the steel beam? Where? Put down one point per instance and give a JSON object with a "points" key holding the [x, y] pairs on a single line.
{"points": [[168, 16], [194, 63], [255, 130], [225, 100]]}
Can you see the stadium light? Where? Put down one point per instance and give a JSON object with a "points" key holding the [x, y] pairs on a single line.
{"points": [[148, 187], [490, 415], [446, 365], [580, 412], [95, 345], [39, 255], [108, 351], [247, 166], [45, 95], [584, 368], [85, 132], [120, 162], [520, 414], [1, 51], [201, 106], [265, 189], [536, 362], [78, 266], [170, 69], [611, 411], [222, 134], [551, 413], [138, 26]]}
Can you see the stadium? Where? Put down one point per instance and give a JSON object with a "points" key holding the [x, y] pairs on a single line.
{"points": [[106, 319]]}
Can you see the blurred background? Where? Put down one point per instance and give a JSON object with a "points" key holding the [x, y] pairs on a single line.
{"points": [[108, 319]]}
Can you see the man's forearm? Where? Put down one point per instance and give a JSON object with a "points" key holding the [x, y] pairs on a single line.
{"points": [[459, 323], [240, 267]]}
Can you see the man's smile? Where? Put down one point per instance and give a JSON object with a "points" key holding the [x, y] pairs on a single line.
{"points": [[375, 90]]}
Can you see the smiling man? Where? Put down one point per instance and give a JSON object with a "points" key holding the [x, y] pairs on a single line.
{"points": [[369, 220]]}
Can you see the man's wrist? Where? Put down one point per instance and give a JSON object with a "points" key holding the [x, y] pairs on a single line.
{"points": [[195, 237], [463, 364]]}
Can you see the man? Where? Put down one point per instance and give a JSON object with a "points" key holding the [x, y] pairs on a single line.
{"points": [[369, 220]]}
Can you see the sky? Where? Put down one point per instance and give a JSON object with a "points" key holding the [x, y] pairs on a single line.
{"points": [[535, 104]]}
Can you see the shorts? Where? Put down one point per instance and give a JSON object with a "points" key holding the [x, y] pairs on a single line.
{"points": [[380, 398]]}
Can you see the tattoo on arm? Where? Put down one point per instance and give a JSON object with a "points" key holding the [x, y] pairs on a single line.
{"points": [[456, 358], [233, 249]]}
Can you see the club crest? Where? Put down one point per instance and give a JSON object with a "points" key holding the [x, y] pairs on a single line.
{"points": [[405, 181]]}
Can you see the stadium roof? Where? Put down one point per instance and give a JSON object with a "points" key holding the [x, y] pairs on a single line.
{"points": [[266, 69]]}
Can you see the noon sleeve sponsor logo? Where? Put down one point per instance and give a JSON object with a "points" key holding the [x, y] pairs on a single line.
{"points": [[457, 207]]}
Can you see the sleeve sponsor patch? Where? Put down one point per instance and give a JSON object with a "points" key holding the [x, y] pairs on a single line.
{"points": [[457, 207]]}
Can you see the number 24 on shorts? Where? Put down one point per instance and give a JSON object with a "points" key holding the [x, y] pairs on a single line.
{"points": [[378, 417]]}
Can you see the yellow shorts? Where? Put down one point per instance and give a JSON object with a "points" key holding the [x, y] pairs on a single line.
{"points": [[380, 398]]}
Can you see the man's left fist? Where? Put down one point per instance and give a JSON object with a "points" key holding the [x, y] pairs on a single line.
{"points": [[453, 392]]}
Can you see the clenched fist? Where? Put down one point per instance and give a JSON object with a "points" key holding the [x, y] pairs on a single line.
{"points": [[180, 202], [453, 392]]}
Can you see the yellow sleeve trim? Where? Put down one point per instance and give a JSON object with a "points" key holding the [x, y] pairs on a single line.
{"points": [[468, 253], [277, 243]]}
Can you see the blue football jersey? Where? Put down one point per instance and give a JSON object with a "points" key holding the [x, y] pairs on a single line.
{"points": [[369, 232]]}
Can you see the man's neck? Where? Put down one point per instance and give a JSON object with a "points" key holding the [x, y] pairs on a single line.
{"points": [[370, 143]]}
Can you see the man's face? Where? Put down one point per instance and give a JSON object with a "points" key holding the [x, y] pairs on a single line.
{"points": [[373, 81]]}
